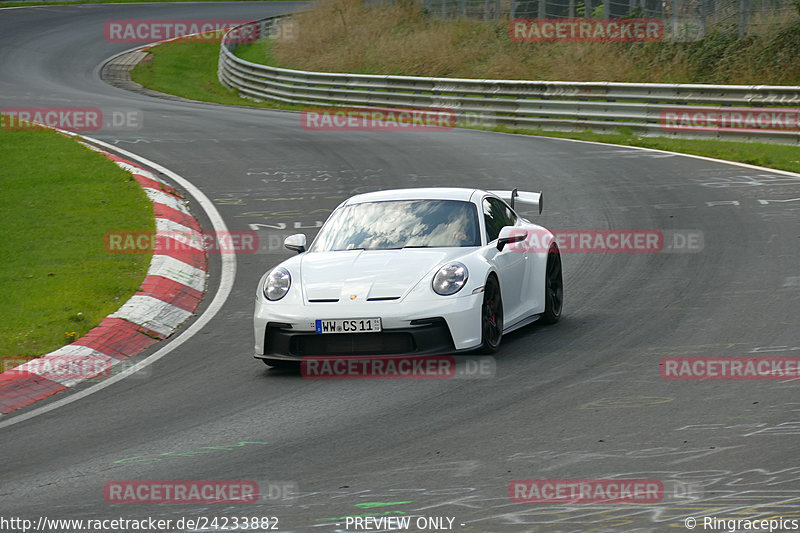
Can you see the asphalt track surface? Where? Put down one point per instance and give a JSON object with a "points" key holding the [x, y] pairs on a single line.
{"points": [[583, 399]]}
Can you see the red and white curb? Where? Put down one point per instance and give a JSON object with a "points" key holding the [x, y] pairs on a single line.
{"points": [[170, 293]]}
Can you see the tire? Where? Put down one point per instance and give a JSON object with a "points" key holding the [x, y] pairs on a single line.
{"points": [[553, 288], [491, 316]]}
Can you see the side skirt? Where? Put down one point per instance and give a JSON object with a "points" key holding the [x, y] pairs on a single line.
{"points": [[521, 323]]}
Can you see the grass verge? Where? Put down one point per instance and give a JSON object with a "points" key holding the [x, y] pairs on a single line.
{"points": [[189, 70], [399, 38], [59, 199]]}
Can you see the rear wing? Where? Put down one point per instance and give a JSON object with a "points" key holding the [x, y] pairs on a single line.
{"points": [[530, 198]]}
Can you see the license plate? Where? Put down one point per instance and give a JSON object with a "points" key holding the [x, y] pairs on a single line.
{"points": [[349, 325]]}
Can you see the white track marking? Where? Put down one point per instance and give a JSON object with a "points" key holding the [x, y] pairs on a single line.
{"points": [[46, 366], [188, 237], [152, 313], [160, 197], [176, 270], [140, 171]]}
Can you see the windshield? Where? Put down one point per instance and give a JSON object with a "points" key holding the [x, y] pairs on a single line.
{"points": [[400, 224]]}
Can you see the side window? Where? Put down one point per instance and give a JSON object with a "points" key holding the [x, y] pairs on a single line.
{"points": [[496, 214]]}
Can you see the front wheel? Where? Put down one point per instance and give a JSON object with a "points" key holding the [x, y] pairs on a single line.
{"points": [[491, 317], [553, 287]]}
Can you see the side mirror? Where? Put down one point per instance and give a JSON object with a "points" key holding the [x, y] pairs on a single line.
{"points": [[296, 242], [510, 234]]}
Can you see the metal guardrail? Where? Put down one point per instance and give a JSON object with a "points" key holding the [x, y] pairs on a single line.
{"points": [[550, 105]]}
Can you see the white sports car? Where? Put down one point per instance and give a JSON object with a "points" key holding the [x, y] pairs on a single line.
{"points": [[410, 272]]}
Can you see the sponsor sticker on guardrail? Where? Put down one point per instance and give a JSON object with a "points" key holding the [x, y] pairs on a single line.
{"points": [[377, 119], [586, 30]]}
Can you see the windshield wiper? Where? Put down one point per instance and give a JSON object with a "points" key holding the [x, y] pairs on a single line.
{"points": [[392, 248], [397, 247]]}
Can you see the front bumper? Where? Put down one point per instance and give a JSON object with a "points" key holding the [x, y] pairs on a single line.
{"points": [[445, 326]]}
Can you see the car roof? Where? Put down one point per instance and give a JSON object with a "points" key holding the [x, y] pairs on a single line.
{"points": [[421, 193]]}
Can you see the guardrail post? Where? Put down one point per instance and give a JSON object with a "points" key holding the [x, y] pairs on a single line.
{"points": [[744, 15], [703, 14], [675, 8], [542, 9]]}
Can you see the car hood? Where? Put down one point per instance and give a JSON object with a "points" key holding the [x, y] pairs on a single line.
{"points": [[360, 275]]}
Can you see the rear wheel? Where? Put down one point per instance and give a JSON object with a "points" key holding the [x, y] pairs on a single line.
{"points": [[491, 316], [553, 287]]}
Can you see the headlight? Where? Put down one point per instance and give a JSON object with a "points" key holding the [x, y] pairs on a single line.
{"points": [[277, 284], [450, 279]]}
